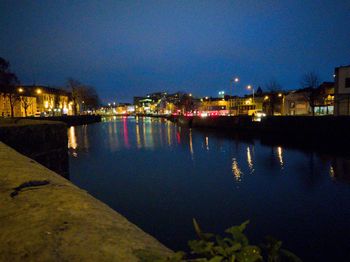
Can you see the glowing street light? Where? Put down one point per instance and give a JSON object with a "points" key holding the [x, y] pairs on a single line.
{"points": [[249, 87], [280, 95], [20, 90], [38, 91], [233, 83]]}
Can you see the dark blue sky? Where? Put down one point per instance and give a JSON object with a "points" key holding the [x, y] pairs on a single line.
{"points": [[127, 48]]}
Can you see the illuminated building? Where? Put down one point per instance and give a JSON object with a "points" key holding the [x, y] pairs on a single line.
{"points": [[36, 101]]}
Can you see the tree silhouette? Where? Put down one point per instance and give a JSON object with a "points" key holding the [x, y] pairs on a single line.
{"points": [[26, 102], [273, 88], [8, 83], [310, 82], [84, 96]]}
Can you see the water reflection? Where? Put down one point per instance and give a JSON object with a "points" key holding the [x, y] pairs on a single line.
{"points": [[151, 134], [340, 168], [250, 160], [190, 143], [207, 143], [280, 156], [72, 141], [169, 133], [138, 138], [126, 135], [237, 173], [116, 162], [72, 138]]}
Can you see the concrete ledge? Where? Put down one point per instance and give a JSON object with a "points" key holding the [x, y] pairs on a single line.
{"points": [[44, 217]]}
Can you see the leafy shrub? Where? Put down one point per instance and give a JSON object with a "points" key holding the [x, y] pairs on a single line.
{"points": [[234, 247]]}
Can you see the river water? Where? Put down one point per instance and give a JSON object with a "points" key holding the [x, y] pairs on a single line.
{"points": [[160, 176]]}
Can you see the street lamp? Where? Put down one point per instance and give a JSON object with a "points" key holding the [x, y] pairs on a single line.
{"points": [[233, 83], [38, 91], [249, 87], [20, 90]]}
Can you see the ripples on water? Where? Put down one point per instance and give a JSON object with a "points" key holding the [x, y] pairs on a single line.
{"points": [[160, 175]]}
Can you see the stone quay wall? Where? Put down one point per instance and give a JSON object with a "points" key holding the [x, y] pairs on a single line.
{"points": [[43, 141], [44, 217]]}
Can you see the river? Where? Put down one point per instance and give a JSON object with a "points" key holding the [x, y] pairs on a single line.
{"points": [[160, 176]]}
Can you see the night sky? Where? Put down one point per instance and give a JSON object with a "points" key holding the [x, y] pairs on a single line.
{"points": [[127, 48]]}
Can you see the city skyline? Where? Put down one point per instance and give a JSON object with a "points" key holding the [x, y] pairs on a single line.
{"points": [[135, 48]]}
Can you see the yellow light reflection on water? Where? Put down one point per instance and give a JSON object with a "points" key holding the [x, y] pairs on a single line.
{"points": [[207, 143], [169, 133], [191, 146], [72, 138], [280, 156], [331, 171], [138, 138], [249, 159], [237, 173]]}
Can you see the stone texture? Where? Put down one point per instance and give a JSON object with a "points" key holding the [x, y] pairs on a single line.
{"points": [[50, 219]]}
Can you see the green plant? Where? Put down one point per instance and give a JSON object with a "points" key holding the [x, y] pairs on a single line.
{"points": [[234, 247]]}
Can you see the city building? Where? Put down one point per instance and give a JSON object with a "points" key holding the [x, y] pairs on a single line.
{"points": [[50, 101], [296, 102], [210, 104], [324, 99], [309, 101], [247, 105], [20, 103], [35, 100], [342, 91]]}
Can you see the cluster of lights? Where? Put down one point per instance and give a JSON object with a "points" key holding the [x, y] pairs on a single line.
{"points": [[205, 113]]}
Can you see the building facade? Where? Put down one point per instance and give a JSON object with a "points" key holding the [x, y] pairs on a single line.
{"points": [[35, 101], [342, 91]]}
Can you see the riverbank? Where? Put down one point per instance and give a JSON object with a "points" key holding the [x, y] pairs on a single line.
{"points": [[47, 218], [71, 120], [328, 130]]}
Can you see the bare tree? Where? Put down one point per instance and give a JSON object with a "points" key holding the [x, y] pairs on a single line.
{"points": [[74, 86], [8, 83], [310, 82], [83, 95], [273, 89], [26, 102]]}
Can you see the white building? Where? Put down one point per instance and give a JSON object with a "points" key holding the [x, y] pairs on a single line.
{"points": [[342, 91]]}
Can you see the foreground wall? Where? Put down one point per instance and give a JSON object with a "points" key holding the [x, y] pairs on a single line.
{"points": [[44, 217], [43, 141]]}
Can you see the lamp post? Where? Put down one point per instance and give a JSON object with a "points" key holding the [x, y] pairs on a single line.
{"points": [[233, 82], [281, 95], [249, 87]]}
